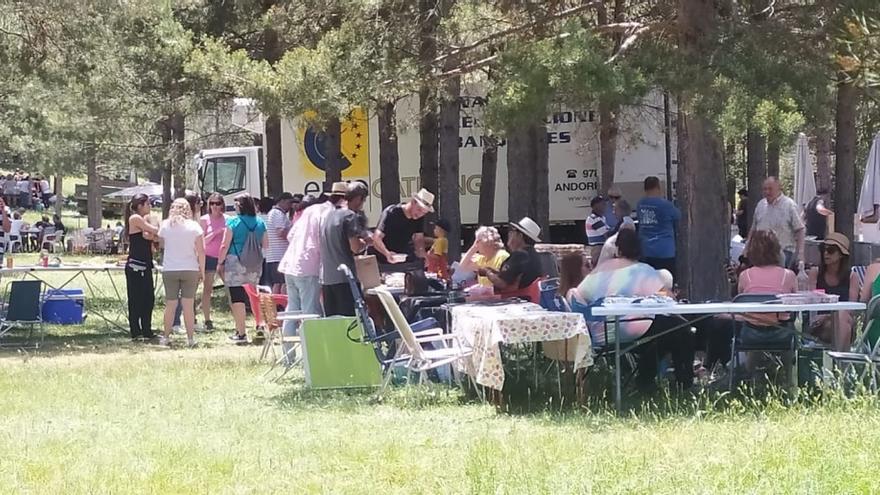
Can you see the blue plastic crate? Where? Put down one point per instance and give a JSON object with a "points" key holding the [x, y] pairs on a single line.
{"points": [[64, 306]]}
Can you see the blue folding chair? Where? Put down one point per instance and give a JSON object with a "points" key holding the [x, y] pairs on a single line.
{"points": [[24, 309]]}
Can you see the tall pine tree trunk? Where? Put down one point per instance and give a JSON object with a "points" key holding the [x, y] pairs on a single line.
{"points": [[521, 178], [428, 125], [450, 205], [274, 167], [389, 157], [59, 194], [94, 208], [488, 175], [756, 168], [845, 155], [542, 179], [773, 151], [167, 166], [333, 152], [701, 182], [607, 143], [178, 153], [823, 159]]}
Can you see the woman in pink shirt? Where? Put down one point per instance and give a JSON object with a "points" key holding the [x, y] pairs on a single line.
{"points": [[764, 276], [214, 225]]}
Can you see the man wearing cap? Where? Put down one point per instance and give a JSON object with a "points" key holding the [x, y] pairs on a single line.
{"points": [[523, 266], [277, 226], [342, 235], [401, 231], [596, 228]]}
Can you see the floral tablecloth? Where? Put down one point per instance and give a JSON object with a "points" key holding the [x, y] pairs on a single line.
{"points": [[485, 327]]}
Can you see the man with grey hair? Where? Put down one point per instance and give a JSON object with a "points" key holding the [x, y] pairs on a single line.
{"points": [[778, 213]]}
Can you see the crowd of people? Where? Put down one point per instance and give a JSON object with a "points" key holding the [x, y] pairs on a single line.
{"points": [[297, 244], [636, 257], [21, 190]]}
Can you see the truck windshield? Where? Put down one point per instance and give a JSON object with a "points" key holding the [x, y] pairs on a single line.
{"points": [[224, 174]]}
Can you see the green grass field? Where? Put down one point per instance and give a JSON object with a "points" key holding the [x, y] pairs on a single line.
{"points": [[92, 412]]}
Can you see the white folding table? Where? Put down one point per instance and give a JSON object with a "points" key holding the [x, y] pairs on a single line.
{"points": [[76, 271], [703, 310]]}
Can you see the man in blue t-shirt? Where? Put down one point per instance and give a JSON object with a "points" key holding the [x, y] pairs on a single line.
{"points": [[658, 219]]}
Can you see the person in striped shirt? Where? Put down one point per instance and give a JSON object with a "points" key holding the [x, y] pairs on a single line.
{"points": [[596, 227]]}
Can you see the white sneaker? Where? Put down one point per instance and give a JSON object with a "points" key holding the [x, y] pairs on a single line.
{"points": [[178, 330], [191, 343], [165, 341]]}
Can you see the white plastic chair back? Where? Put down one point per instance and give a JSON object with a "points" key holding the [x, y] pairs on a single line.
{"points": [[400, 323]]}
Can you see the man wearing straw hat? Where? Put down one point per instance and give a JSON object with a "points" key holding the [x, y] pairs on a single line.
{"points": [[400, 233], [523, 266]]}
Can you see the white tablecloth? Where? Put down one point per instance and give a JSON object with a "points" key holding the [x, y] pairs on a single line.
{"points": [[485, 327]]}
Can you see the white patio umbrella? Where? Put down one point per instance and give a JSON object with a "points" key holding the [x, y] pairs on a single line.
{"points": [[804, 180], [870, 194]]}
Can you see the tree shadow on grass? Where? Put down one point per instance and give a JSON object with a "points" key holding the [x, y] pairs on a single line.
{"points": [[71, 340], [296, 396]]}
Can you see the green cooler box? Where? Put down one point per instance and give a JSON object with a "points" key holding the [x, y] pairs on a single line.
{"points": [[332, 360]]}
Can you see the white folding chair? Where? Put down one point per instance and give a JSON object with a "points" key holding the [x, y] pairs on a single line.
{"points": [[422, 359]]}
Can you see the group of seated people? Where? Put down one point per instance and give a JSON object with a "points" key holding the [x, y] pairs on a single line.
{"points": [[760, 272]]}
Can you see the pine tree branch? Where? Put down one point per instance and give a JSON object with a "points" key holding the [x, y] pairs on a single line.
{"points": [[516, 29]]}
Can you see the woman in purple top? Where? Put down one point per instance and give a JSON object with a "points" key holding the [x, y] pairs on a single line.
{"points": [[214, 225]]}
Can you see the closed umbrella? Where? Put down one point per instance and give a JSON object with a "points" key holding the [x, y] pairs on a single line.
{"points": [[870, 194], [804, 180]]}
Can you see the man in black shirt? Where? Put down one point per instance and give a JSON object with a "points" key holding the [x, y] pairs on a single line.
{"points": [[523, 266], [816, 215], [401, 230]]}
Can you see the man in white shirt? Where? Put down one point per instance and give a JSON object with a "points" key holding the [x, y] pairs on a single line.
{"points": [[277, 226], [45, 191], [779, 214]]}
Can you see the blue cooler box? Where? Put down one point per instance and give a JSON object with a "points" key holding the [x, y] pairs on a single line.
{"points": [[64, 306]]}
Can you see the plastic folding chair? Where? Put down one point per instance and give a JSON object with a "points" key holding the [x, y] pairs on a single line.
{"points": [[24, 309], [253, 293]]}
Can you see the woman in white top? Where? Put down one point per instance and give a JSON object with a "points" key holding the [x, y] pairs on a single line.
{"points": [[183, 266]]}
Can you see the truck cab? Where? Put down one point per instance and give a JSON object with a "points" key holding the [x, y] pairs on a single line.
{"points": [[230, 172]]}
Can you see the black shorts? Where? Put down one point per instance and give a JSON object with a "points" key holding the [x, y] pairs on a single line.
{"points": [[237, 295], [338, 300], [272, 275]]}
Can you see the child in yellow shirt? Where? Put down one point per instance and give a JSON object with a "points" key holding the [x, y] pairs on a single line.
{"points": [[437, 260]]}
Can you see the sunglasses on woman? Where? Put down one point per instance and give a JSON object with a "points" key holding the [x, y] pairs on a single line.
{"points": [[831, 249], [215, 203]]}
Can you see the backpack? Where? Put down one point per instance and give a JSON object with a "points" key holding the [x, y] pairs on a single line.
{"points": [[251, 254]]}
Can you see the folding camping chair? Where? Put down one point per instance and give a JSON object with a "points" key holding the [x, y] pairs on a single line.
{"points": [[388, 353], [421, 358], [24, 309], [864, 353]]}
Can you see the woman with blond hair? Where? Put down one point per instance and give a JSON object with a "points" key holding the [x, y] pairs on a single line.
{"points": [[487, 253], [183, 266]]}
